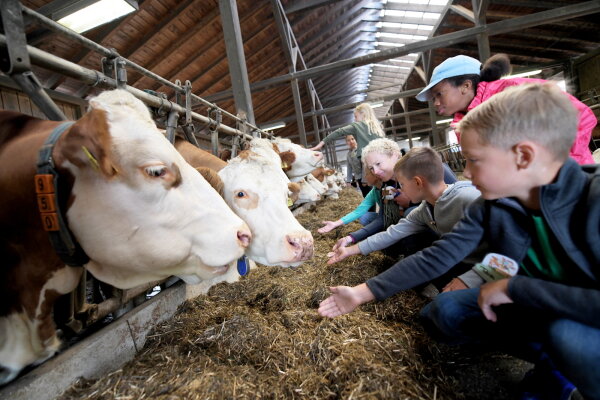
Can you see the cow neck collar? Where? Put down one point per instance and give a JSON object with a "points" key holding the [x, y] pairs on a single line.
{"points": [[52, 192]]}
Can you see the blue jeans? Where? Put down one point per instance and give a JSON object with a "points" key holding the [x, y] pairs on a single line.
{"points": [[574, 348], [367, 217]]}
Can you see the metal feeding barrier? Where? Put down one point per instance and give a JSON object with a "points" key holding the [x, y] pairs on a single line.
{"points": [[452, 156], [93, 301]]}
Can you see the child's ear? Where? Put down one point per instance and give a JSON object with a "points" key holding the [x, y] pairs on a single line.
{"points": [[525, 153], [418, 181]]}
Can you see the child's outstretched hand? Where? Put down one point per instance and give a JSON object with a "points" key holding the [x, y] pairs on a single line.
{"points": [[343, 242], [344, 300], [342, 252], [329, 226], [493, 294]]}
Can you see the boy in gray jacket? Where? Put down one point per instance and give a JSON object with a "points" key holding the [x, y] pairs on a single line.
{"points": [[421, 175]]}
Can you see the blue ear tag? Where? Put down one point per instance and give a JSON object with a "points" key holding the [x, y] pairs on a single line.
{"points": [[242, 266]]}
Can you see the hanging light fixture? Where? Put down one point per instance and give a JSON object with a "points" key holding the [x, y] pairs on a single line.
{"points": [[83, 15]]}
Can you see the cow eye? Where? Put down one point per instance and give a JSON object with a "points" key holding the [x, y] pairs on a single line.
{"points": [[240, 194], [156, 171]]}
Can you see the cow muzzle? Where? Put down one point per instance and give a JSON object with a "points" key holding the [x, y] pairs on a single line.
{"points": [[301, 245], [244, 236]]}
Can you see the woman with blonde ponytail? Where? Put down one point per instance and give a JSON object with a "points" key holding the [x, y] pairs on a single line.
{"points": [[365, 128]]}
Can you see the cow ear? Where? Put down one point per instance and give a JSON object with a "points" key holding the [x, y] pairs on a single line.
{"points": [[294, 188], [212, 178], [287, 159], [88, 143], [275, 148], [225, 155]]}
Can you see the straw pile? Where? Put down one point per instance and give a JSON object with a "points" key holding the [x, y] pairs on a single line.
{"points": [[261, 337]]}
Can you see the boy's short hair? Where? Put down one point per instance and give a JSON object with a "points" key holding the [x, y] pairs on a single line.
{"points": [[381, 146], [541, 113], [421, 161]]}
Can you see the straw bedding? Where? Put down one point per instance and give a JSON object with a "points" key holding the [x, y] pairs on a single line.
{"points": [[261, 337]]}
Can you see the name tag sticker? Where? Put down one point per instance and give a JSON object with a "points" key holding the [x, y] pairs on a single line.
{"points": [[496, 266]]}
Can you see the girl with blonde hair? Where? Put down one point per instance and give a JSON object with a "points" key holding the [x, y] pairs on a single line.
{"points": [[365, 128]]}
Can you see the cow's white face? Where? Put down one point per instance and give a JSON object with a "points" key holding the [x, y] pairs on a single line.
{"points": [[307, 193], [264, 147], [332, 187], [256, 191], [316, 184], [156, 216], [306, 160]]}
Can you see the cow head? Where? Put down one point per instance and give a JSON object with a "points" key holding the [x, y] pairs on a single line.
{"points": [[139, 210], [307, 193], [304, 160], [257, 192]]}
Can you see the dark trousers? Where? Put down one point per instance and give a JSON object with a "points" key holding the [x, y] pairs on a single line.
{"points": [[364, 189]]}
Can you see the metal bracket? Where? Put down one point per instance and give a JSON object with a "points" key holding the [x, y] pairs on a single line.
{"points": [[189, 130], [234, 146], [115, 67], [215, 118], [172, 125], [121, 73]]}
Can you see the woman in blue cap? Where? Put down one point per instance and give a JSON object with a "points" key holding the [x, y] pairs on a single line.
{"points": [[461, 83]]}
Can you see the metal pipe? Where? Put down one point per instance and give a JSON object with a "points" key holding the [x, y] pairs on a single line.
{"points": [[95, 78], [111, 53]]}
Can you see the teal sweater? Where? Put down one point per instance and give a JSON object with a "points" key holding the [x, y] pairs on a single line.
{"points": [[372, 198]]}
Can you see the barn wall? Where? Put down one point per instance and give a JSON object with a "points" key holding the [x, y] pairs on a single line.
{"points": [[14, 100]]}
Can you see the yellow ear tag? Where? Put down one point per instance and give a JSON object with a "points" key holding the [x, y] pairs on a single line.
{"points": [[93, 160], [284, 165], [289, 202]]}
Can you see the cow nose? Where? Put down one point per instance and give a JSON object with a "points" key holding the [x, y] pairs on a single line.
{"points": [[318, 196], [244, 236], [301, 244]]}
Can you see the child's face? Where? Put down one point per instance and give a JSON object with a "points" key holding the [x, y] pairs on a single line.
{"points": [[410, 188], [491, 169], [382, 165], [351, 142], [449, 99]]}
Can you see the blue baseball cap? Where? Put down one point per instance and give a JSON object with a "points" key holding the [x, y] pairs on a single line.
{"points": [[453, 66]]}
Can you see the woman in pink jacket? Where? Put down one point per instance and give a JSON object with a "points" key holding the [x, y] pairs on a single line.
{"points": [[460, 83]]}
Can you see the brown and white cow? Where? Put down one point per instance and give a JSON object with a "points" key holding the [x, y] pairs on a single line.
{"points": [[138, 210], [304, 160], [257, 191]]}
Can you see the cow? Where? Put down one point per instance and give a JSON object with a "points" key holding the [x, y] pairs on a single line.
{"points": [[319, 187], [328, 178], [307, 193], [137, 210], [304, 160], [257, 191]]}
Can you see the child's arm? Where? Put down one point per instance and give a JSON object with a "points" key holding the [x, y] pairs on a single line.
{"points": [[576, 303], [493, 294], [405, 227], [330, 225], [345, 299], [435, 260], [362, 208], [341, 253], [348, 173], [370, 229]]}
